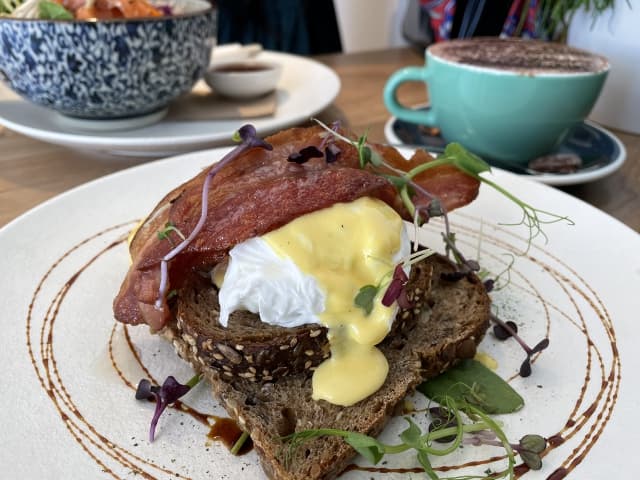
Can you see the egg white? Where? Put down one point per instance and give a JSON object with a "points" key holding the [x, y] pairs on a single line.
{"points": [[260, 281]]}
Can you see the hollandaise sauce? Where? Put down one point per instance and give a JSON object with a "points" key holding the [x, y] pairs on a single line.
{"points": [[346, 247]]}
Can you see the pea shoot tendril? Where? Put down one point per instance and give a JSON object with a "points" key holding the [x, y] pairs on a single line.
{"points": [[454, 422], [455, 155]]}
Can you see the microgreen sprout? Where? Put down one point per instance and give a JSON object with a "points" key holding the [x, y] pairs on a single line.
{"points": [[456, 155], [394, 283], [169, 227], [502, 333], [525, 367], [453, 423], [533, 218], [331, 150], [365, 298], [248, 137], [237, 446], [304, 155], [396, 291], [496, 283], [170, 391]]}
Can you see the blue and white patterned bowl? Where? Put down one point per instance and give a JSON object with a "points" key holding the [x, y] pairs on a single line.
{"points": [[107, 69]]}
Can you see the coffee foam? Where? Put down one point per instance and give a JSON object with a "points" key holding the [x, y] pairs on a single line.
{"points": [[519, 55]]}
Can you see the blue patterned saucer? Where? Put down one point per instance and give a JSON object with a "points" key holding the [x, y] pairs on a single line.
{"points": [[601, 151]]}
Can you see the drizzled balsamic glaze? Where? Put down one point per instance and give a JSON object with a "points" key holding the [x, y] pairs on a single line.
{"points": [[97, 446]]}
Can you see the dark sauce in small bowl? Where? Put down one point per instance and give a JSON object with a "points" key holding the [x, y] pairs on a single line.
{"points": [[240, 67]]}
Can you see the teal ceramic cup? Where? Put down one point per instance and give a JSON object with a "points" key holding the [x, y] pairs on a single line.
{"points": [[511, 115]]}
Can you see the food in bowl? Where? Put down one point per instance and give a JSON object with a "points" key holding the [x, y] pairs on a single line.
{"points": [[81, 9], [107, 68]]}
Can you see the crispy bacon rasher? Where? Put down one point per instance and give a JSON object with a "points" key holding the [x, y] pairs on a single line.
{"points": [[256, 193]]}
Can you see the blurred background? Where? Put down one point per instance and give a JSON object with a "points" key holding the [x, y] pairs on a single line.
{"points": [[329, 26]]}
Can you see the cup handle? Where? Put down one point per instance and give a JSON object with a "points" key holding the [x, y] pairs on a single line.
{"points": [[408, 74]]}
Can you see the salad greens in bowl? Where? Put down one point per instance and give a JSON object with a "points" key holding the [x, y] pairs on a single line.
{"points": [[104, 59]]}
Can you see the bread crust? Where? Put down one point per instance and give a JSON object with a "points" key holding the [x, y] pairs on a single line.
{"points": [[451, 323]]}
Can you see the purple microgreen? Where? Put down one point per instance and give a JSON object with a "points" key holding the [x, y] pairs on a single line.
{"points": [[463, 263], [403, 300], [529, 447], [525, 367], [542, 344], [464, 267], [489, 283], [435, 208], [331, 153], [365, 297], [502, 333], [495, 283], [164, 396], [304, 155], [249, 139], [145, 390], [331, 150], [396, 286]]}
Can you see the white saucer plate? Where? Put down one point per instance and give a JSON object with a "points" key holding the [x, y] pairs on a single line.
{"points": [[305, 88]]}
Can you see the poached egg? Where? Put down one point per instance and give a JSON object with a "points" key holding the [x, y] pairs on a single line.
{"points": [[310, 271]]}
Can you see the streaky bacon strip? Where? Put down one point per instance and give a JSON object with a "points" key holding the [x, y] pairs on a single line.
{"points": [[257, 193]]}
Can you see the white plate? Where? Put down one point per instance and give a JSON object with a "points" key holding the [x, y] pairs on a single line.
{"points": [[305, 88], [68, 414]]}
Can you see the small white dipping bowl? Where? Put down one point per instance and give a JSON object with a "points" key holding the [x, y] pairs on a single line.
{"points": [[243, 79]]}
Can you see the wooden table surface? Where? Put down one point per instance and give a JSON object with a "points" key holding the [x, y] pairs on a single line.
{"points": [[32, 171]]}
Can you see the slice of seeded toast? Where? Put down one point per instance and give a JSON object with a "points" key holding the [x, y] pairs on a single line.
{"points": [[248, 348], [453, 320]]}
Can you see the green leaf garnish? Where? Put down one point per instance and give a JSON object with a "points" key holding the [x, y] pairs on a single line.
{"points": [[465, 160], [367, 446], [53, 11], [411, 436], [473, 383], [365, 297]]}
